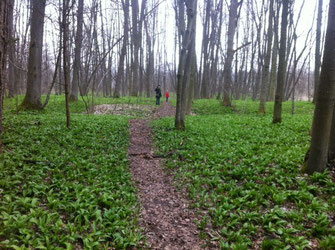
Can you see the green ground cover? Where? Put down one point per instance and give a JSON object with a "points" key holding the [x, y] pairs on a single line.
{"points": [[63, 189], [245, 172]]}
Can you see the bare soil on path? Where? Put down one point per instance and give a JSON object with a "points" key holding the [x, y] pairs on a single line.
{"points": [[165, 215]]}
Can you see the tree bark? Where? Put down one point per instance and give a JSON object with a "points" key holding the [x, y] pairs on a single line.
{"points": [[120, 71], [331, 150], [11, 51], [266, 66], [325, 99], [317, 49], [205, 83], [185, 62], [66, 59], [77, 53], [32, 98], [281, 66], [4, 11], [227, 71]]}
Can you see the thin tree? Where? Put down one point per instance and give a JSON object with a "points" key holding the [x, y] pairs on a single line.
{"points": [[120, 71], [325, 100], [32, 99], [266, 66], [282, 65], [11, 51], [77, 52], [66, 58], [4, 9]]}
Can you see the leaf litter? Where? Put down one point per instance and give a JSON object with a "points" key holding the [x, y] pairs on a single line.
{"points": [[166, 217]]}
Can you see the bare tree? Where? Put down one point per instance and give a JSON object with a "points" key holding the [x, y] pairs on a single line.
{"points": [[137, 22], [325, 100], [227, 71], [77, 52], [4, 11], [66, 57], [265, 78], [117, 90], [185, 62], [282, 64], [32, 99], [11, 51]]}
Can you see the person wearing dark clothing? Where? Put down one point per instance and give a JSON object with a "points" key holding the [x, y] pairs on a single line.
{"points": [[158, 95]]}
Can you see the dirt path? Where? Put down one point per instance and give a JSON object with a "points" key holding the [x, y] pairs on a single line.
{"points": [[165, 216]]}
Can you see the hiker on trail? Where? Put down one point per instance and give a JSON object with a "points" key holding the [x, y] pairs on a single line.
{"points": [[158, 94], [167, 95]]}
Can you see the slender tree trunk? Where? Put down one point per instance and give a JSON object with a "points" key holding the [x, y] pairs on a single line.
{"points": [[193, 79], [317, 49], [32, 99], [4, 11], [273, 76], [205, 85], [265, 78], [282, 65], [66, 59], [120, 71], [325, 100], [77, 52], [11, 51]]}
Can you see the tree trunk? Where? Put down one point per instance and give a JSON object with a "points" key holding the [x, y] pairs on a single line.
{"points": [[4, 11], [77, 53], [193, 79], [120, 71], [282, 65], [273, 76], [32, 98], [318, 50], [331, 150], [265, 78], [11, 51], [325, 100], [66, 59], [227, 71], [205, 83], [185, 62]]}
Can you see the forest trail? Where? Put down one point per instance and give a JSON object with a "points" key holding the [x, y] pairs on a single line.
{"points": [[165, 216]]}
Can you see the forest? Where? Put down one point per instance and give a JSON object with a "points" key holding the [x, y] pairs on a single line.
{"points": [[167, 124]]}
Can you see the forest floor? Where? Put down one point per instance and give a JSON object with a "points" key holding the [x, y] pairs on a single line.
{"points": [[165, 215], [129, 180]]}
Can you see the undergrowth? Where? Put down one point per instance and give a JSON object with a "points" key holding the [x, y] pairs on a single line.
{"points": [[245, 171], [66, 189]]}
